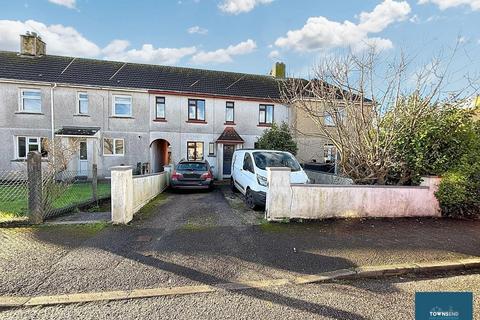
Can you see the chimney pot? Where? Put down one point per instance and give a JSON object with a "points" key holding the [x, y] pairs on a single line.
{"points": [[31, 44]]}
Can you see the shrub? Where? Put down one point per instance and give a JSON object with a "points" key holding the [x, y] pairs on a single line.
{"points": [[459, 190], [278, 138]]}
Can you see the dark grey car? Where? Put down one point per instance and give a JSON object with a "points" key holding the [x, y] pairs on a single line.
{"points": [[192, 175]]}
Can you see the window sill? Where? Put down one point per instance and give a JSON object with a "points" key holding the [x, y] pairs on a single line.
{"points": [[159, 120], [27, 112], [122, 117], [25, 160], [196, 121], [81, 115], [264, 125], [114, 155], [229, 123]]}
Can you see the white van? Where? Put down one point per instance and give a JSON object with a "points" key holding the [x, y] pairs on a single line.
{"points": [[249, 172]]}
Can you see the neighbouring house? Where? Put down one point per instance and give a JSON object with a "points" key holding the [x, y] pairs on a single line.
{"points": [[127, 113]]}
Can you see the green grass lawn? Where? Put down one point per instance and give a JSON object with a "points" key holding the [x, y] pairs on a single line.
{"points": [[76, 193]]}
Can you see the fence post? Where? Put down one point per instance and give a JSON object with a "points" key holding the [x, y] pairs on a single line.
{"points": [[35, 196], [122, 194], [279, 194], [94, 183]]}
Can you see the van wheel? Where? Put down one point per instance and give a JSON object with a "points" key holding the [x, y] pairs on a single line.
{"points": [[249, 200], [232, 186]]}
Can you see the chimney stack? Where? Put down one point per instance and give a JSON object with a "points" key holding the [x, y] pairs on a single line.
{"points": [[32, 45], [278, 70]]}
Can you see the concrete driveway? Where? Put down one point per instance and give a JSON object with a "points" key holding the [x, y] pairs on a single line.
{"points": [[192, 238]]}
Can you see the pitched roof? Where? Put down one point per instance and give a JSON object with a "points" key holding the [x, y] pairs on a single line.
{"points": [[80, 71], [230, 135]]}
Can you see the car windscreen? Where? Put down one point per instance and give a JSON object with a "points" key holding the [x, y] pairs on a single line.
{"points": [[275, 159], [192, 166]]}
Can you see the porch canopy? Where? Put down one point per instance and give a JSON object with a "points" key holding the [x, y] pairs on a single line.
{"points": [[78, 131], [230, 136]]}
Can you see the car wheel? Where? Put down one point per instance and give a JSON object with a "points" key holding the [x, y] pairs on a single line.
{"points": [[249, 200]]}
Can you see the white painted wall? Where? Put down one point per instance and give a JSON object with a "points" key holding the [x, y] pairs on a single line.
{"points": [[285, 200], [129, 194]]}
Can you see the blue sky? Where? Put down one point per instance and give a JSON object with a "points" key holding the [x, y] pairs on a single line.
{"points": [[244, 35]]}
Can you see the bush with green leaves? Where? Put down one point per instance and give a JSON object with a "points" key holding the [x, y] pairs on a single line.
{"points": [[278, 137], [431, 143], [459, 190]]}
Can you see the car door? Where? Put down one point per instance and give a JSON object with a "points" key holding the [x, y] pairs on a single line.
{"points": [[248, 172]]}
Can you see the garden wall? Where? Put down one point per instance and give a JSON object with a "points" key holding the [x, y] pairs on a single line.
{"points": [[317, 177], [285, 200], [130, 194]]}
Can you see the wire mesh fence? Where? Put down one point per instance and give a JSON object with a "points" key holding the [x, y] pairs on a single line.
{"points": [[13, 192], [61, 192], [68, 190]]}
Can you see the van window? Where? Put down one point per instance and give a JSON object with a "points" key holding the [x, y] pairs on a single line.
{"points": [[248, 163], [275, 159]]}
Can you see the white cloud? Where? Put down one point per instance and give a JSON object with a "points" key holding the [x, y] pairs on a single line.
{"points": [[67, 41], [321, 33], [274, 54], [66, 3], [224, 55], [197, 29], [445, 4], [241, 6], [118, 50], [60, 39]]}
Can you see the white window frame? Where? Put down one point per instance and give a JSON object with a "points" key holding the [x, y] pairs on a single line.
{"points": [[164, 108], [211, 149], [27, 144], [114, 103], [21, 105], [82, 99], [114, 154]]}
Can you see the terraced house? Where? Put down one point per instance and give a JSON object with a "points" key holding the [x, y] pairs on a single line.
{"points": [[126, 113]]}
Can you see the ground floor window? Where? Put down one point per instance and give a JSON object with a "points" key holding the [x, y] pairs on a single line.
{"points": [[211, 149], [113, 147], [329, 152], [29, 144], [194, 150]]}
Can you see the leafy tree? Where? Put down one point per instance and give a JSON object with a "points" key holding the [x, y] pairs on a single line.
{"points": [[459, 190], [278, 138]]}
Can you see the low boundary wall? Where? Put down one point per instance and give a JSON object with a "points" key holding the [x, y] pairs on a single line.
{"points": [[318, 177], [286, 200], [130, 193]]}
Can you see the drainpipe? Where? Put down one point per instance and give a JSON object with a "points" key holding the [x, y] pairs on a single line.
{"points": [[52, 89]]}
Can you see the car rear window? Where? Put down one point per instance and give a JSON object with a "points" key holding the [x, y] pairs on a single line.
{"points": [[192, 166], [275, 159]]}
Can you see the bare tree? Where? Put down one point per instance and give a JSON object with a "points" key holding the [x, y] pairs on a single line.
{"points": [[60, 152], [362, 104]]}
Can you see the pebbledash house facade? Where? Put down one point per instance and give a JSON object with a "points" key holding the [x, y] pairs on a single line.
{"points": [[130, 114]]}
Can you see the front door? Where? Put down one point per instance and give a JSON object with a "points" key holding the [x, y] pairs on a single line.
{"points": [[83, 159], [228, 150]]}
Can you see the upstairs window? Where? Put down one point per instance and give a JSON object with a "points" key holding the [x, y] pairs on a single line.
{"points": [[194, 150], [122, 106], [31, 100], [196, 109], [230, 112], [29, 144], [334, 117], [160, 108], [82, 103], [113, 147], [265, 115]]}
